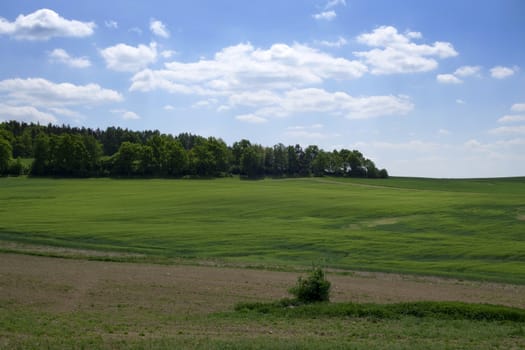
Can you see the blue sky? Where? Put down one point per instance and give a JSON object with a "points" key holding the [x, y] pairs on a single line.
{"points": [[424, 88]]}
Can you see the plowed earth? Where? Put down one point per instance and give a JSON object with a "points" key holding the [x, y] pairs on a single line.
{"points": [[65, 285]]}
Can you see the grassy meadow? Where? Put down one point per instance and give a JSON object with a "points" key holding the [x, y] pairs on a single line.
{"points": [[472, 229]]}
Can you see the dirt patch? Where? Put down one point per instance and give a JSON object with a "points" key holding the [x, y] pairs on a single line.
{"points": [[521, 217], [62, 285]]}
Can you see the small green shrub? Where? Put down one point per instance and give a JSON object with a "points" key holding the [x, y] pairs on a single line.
{"points": [[314, 288]]}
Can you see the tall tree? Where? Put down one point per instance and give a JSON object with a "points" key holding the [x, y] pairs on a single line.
{"points": [[6, 153], [126, 160], [42, 156], [280, 159]]}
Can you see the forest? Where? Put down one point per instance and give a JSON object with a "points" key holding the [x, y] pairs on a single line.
{"points": [[65, 151]]}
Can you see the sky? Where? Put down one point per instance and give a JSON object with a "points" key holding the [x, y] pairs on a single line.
{"points": [[423, 88]]}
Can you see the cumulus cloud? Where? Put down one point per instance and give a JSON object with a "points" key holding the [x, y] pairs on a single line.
{"points": [[325, 15], [395, 52], [159, 29], [168, 53], [26, 113], [276, 82], [313, 100], [42, 92], [125, 58], [125, 114], [511, 118], [518, 107], [205, 103], [517, 129], [448, 79], [338, 43], [466, 71], [61, 56], [168, 108], [244, 67], [128, 115], [334, 3], [45, 24], [500, 72], [251, 118]]}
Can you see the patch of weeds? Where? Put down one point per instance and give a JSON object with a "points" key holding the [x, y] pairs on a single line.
{"points": [[292, 308]]}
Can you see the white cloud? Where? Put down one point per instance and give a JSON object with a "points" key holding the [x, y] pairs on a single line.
{"points": [[448, 79], [273, 82], [325, 16], [518, 129], [313, 100], [245, 68], [111, 24], [205, 103], [67, 112], [500, 72], [60, 55], [511, 118], [518, 107], [466, 71], [125, 58], [254, 98], [158, 28], [396, 53], [334, 3], [251, 118], [460, 101], [168, 53], [302, 127], [42, 92], [128, 115], [414, 35], [168, 108], [25, 113], [125, 114], [443, 132], [338, 43], [45, 24]]}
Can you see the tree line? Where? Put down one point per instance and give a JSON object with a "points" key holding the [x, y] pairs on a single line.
{"points": [[64, 151]]}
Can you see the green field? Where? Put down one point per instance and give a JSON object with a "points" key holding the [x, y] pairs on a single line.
{"points": [[473, 229]]}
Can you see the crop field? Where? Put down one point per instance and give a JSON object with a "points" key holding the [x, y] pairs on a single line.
{"points": [[472, 229], [147, 264]]}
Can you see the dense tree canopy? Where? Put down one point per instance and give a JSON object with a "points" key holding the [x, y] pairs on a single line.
{"points": [[82, 152]]}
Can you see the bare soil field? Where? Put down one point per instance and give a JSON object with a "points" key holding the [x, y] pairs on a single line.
{"points": [[63, 285], [57, 303]]}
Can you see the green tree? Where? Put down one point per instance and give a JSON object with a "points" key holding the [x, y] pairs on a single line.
{"points": [[6, 153], [320, 163], [42, 155], [252, 161], [94, 153], [280, 160], [126, 160], [177, 158]]}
